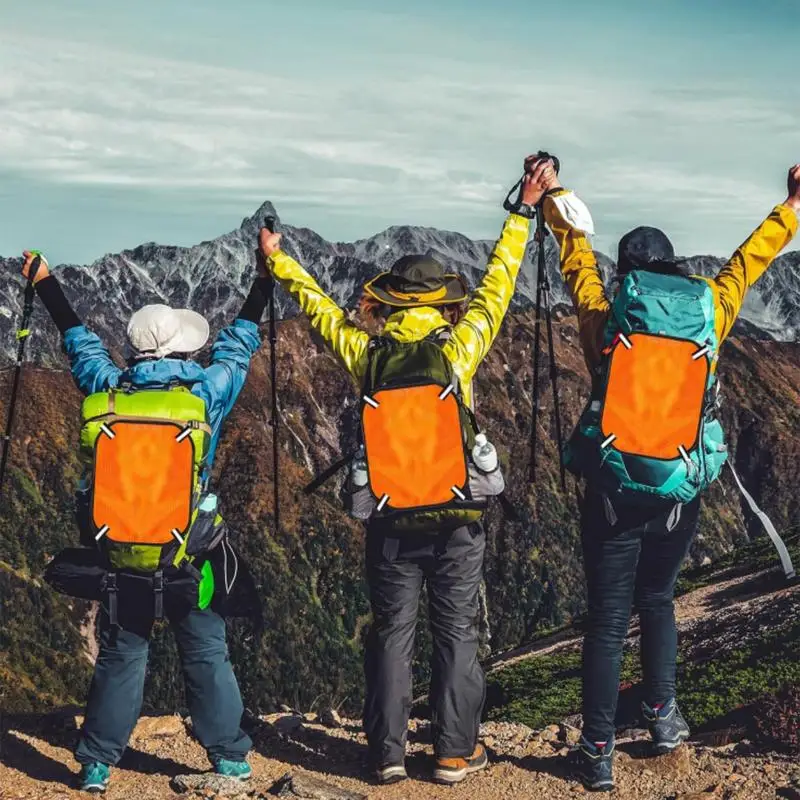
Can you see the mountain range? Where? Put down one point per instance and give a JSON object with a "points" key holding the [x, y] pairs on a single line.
{"points": [[214, 276]]}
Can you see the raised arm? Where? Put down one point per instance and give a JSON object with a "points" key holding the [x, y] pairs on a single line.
{"points": [[232, 351], [581, 275], [92, 366], [348, 342], [753, 258], [473, 336]]}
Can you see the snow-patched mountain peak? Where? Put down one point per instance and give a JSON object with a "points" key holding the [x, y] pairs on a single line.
{"points": [[213, 277]]}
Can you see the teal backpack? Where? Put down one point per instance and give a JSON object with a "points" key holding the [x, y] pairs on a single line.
{"points": [[650, 428]]}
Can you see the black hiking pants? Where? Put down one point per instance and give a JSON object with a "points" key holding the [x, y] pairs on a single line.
{"points": [[630, 558], [451, 564]]}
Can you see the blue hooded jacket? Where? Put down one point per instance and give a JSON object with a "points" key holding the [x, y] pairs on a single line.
{"points": [[218, 384]]}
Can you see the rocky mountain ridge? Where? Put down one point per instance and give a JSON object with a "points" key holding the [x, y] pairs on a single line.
{"points": [[213, 277]]}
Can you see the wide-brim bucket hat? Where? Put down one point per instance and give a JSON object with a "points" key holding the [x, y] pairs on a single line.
{"points": [[158, 330], [417, 281]]}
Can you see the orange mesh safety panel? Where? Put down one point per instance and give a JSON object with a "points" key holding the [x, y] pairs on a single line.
{"points": [[654, 396], [143, 482], [414, 445]]}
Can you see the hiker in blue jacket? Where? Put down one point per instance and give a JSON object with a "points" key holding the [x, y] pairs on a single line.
{"points": [[161, 339]]}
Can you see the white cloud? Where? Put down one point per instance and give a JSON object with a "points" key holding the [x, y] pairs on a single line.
{"points": [[423, 144]]}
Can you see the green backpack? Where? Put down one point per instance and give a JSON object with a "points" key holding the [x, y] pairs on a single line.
{"points": [[417, 435], [145, 501], [650, 428]]}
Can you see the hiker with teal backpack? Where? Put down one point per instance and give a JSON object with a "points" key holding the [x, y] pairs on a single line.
{"points": [[420, 478], [648, 444], [155, 544]]}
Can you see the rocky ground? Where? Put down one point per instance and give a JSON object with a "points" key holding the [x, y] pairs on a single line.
{"points": [[321, 757], [297, 756]]}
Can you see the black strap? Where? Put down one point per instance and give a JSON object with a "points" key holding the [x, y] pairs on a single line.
{"points": [[158, 591], [509, 509], [111, 591], [191, 570], [579, 495], [513, 205], [328, 473]]}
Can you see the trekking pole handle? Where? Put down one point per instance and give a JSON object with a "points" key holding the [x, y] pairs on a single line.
{"points": [[35, 264], [30, 289]]}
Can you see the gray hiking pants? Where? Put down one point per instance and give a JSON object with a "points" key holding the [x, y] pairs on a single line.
{"points": [[451, 564]]}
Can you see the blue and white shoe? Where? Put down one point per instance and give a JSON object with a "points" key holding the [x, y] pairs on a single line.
{"points": [[238, 770], [94, 777], [668, 728], [592, 764], [387, 774]]}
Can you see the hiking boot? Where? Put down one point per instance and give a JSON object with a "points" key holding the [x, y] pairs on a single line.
{"points": [[454, 770], [94, 777], [238, 770], [390, 773], [592, 764], [668, 728]]}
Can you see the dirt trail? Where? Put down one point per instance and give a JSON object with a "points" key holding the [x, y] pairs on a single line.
{"points": [[744, 595]]}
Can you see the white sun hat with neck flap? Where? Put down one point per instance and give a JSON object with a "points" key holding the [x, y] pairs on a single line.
{"points": [[157, 330]]}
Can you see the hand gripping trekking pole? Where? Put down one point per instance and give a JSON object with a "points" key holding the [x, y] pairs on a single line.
{"points": [[270, 223], [22, 337], [543, 302]]}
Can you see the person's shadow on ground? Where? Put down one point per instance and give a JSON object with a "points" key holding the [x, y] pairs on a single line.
{"points": [[18, 754], [313, 750], [318, 750], [21, 755]]}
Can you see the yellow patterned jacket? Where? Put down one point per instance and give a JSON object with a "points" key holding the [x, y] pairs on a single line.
{"points": [[470, 339], [585, 283]]}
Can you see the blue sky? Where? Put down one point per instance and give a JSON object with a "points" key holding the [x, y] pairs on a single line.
{"points": [[171, 120]]}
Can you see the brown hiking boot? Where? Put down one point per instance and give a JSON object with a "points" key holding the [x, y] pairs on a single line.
{"points": [[454, 770]]}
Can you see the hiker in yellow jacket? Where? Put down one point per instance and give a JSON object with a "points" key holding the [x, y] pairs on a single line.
{"points": [[418, 300], [633, 545]]}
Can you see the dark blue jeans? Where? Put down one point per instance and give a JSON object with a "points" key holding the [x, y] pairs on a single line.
{"points": [[631, 560], [115, 696]]}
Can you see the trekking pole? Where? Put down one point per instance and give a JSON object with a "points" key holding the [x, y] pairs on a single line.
{"points": [[545, 282], [22, 337], [543, 300], [270, 223]]}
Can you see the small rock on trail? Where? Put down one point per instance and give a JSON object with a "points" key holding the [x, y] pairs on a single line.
{"points": [[211, 786], [309, 788]]}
